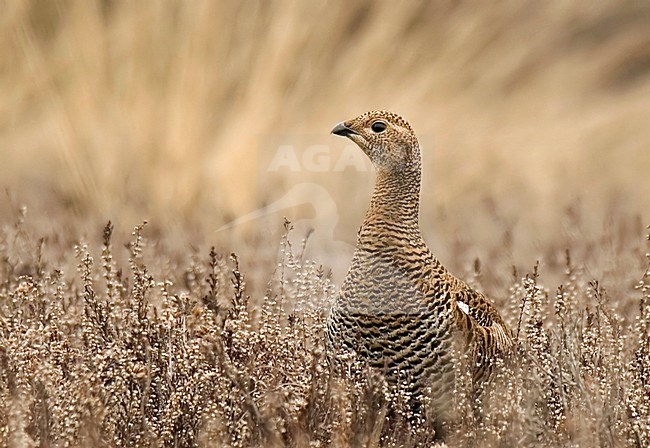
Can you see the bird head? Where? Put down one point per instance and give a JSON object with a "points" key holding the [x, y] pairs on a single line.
{"points": [[386, 138]]}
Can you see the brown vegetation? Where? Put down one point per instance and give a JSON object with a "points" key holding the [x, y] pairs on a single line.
{"points": [[169, 349], [165, 110]]}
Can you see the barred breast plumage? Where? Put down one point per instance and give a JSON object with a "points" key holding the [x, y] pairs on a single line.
{"points": [[399, 309]]}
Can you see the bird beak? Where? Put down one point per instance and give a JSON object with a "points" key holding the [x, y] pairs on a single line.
{"points": [[342, 130]]}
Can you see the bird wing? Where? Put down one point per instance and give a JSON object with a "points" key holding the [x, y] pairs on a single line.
{"points": [[479, 320], [477, 305]]}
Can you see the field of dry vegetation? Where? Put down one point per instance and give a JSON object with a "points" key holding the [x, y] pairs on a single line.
{"points": [[533, 118], [124, 341]]}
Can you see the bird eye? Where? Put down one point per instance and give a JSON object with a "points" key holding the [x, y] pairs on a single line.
{"points": [[378, 126]]}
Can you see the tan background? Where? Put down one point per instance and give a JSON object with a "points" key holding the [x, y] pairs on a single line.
{"points": [[161, 109]]}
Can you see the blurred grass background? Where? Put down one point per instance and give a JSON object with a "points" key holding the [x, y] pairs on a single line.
{"points": [[533, 118], [127, 110]]}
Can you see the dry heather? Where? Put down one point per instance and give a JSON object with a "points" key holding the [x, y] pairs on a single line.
{"points": [[167, 109], [104, 343]]}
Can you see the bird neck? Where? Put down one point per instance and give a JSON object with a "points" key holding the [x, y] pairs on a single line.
{"points": [[396, 199]]}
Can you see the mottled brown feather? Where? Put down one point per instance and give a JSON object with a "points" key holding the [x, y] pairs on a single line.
{"points": [[398, 306]]}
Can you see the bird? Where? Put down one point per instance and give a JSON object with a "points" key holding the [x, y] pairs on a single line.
{"points": [[399, 309]]}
